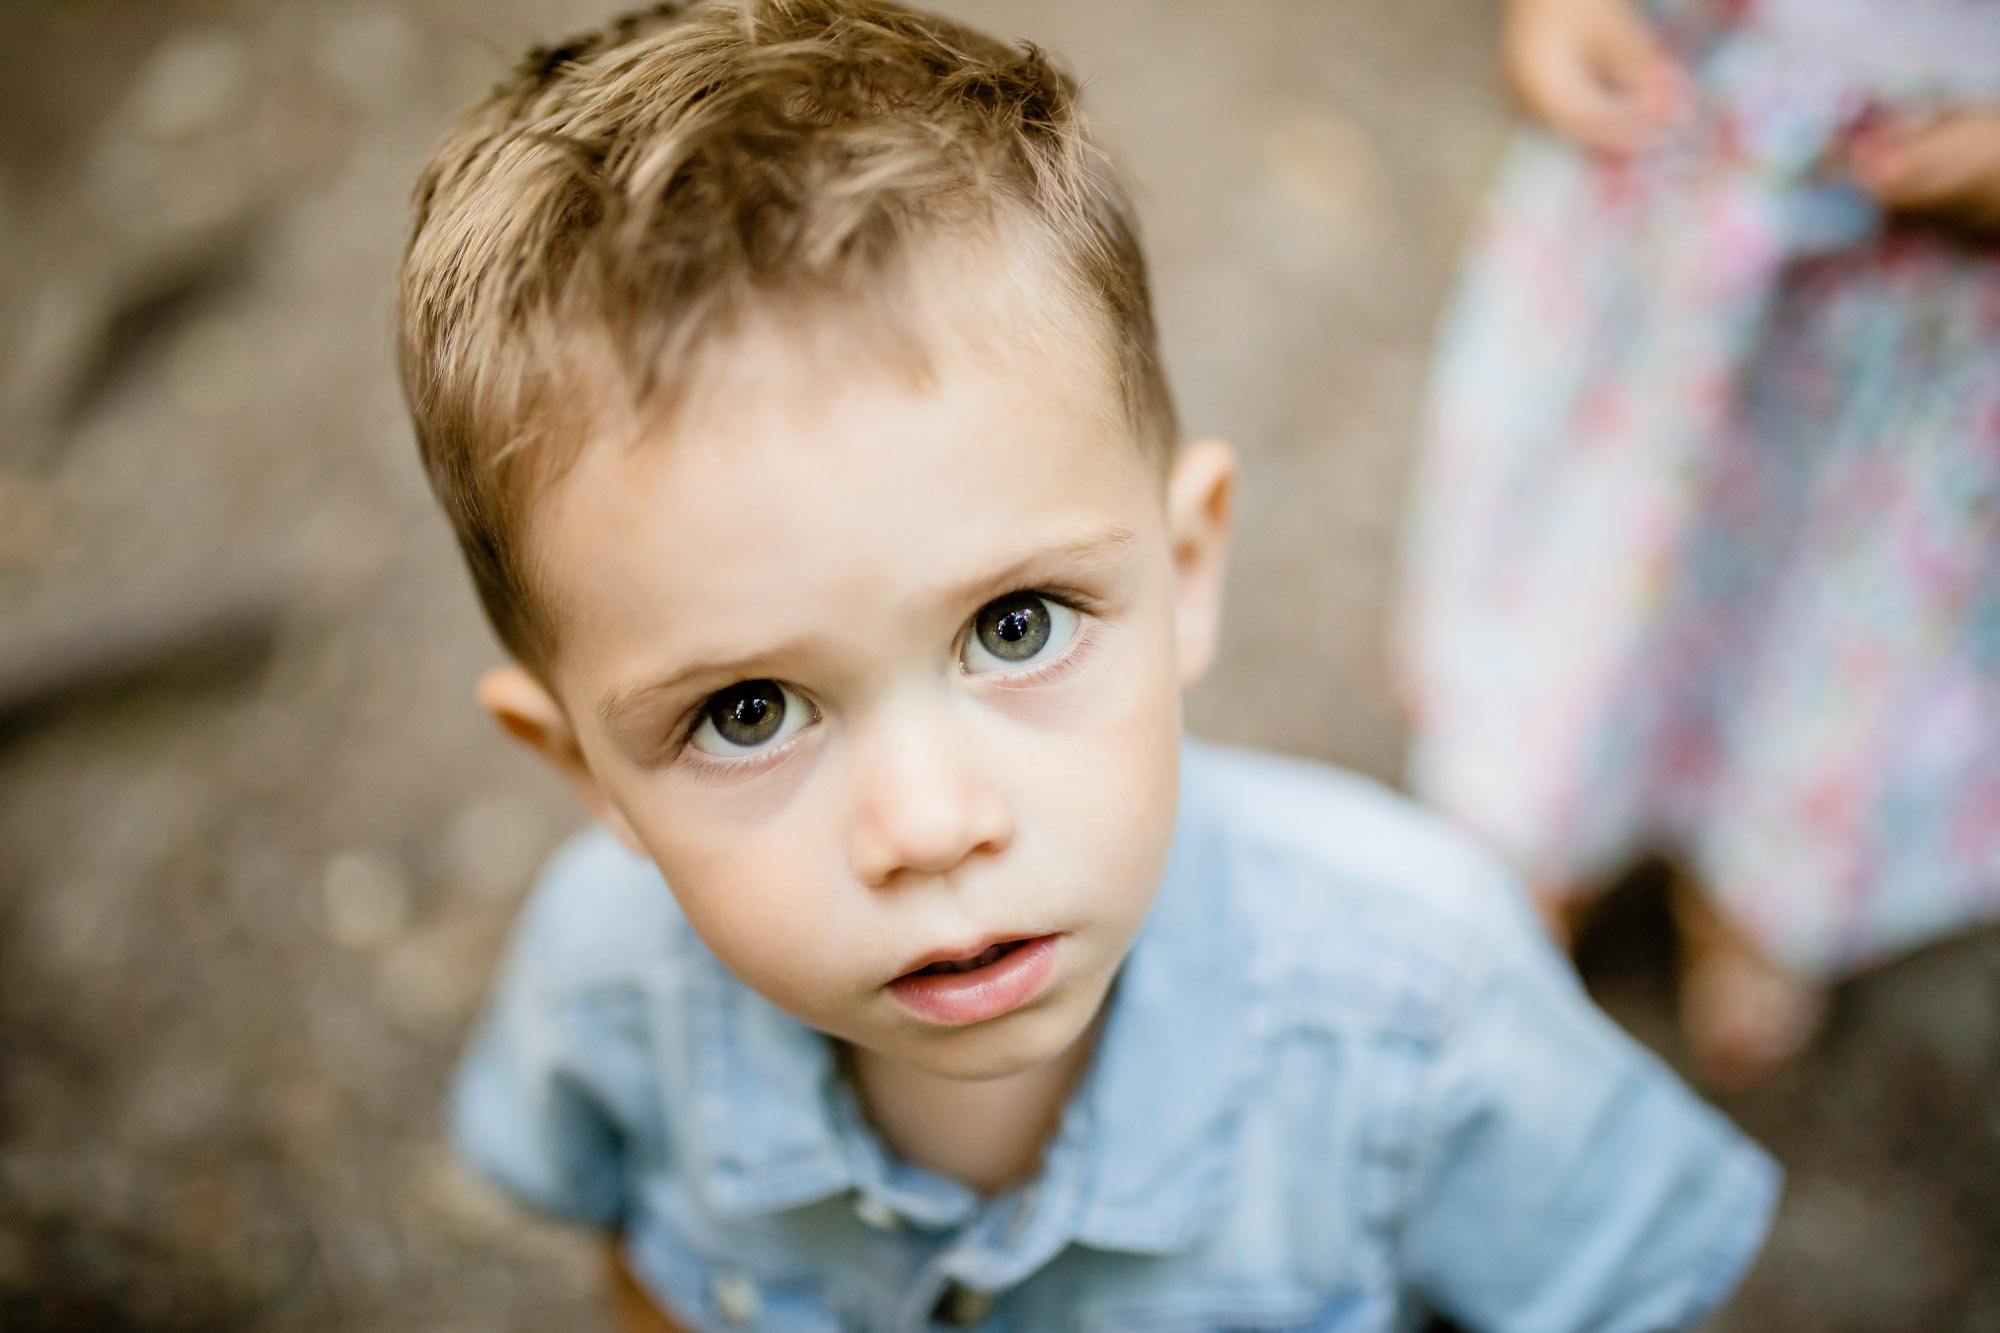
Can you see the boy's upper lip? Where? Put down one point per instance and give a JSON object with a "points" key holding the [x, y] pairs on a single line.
{"points": [[953, 953]]}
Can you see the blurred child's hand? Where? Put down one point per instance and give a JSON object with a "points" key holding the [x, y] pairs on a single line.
{"points": [[1593, 70], [1945, 167]]}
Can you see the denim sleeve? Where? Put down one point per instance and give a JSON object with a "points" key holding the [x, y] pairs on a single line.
{"points": [[1568, 1181], [558, 1075], [523, 1116]]}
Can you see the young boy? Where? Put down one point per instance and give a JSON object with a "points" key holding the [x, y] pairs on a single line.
{"points": [[787, 369]]}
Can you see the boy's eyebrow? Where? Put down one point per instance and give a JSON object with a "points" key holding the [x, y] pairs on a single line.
{"points": [[1098, 545]]}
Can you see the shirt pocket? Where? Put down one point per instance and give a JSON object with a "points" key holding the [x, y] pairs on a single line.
{"points": [[1347, 1310]]}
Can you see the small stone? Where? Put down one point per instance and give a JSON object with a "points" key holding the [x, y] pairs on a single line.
{"points": [[430, 980], [178, 1100], [493, 844], [364, 897], [192, 84]]}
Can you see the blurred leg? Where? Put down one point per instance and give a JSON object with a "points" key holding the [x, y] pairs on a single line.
{"points": [[1742, 1012]]}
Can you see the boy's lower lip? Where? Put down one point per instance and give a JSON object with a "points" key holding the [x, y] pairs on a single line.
{"points": [[956, 999]]}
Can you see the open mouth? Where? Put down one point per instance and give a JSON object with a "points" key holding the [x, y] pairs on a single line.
{"points": [[979, 960], [998, 979]]}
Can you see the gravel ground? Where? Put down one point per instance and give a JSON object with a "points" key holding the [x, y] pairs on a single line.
{"points": [[258, 850]]}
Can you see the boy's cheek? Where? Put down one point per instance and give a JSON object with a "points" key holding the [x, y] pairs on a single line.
{"points": [[765, 917], [1104, 797]]}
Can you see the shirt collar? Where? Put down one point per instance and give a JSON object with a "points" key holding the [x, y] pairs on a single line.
{"points": [[1143, 1150]]}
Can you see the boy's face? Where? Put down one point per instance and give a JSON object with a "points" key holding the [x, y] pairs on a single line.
{"points": [[885, 674]]}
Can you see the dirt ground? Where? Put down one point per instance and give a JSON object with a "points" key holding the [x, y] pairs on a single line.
{"points": [[258, 850]]}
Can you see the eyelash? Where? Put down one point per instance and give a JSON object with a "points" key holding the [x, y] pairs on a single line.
{"points": [[711, 767], [1074, 654]]}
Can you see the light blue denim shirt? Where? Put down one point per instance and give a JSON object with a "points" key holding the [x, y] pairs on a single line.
{"points": [[1342, 1081]]}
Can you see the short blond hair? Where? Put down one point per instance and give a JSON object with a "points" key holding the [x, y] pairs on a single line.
{"points": [[626, 198]]}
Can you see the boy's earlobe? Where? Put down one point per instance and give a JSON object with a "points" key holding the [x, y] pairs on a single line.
{"points": [[1201, 502], [526, 710]]}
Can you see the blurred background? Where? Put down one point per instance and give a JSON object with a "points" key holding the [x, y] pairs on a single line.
{"points": [[258, 849]]}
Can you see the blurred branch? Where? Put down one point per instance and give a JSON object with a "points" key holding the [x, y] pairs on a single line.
{"points": [[221, 634]]}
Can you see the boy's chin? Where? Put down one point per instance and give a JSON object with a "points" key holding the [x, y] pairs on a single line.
{"points": [[1000, 1048]]}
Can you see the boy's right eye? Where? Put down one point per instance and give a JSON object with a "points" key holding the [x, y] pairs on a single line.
{"points": [[748, 717]]}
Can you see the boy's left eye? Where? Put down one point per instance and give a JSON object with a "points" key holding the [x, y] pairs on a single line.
{"points": [[1017, 631]]}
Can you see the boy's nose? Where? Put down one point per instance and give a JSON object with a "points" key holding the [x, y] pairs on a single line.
{"points": [[923, 805]]}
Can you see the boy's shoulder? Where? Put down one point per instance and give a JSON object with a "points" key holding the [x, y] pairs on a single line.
{"points": [[1360, 906], [1365, 837]]}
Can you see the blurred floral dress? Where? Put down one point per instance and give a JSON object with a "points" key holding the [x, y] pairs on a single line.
{"points": [[1707, 549]]}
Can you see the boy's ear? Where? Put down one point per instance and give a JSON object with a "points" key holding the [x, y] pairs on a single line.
{"points": [[526, 710], [1201, 500]]}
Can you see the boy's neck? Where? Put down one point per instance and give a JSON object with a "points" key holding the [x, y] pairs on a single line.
{"points": [[988, 1135]]}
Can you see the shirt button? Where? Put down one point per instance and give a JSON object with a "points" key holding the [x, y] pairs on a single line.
{"points": [[736, 1299], [961, 1307], [875, 1213]]}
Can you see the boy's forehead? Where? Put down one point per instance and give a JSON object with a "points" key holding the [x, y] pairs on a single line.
{"points": [[867, 468], [970, 337], [791, 443]]}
